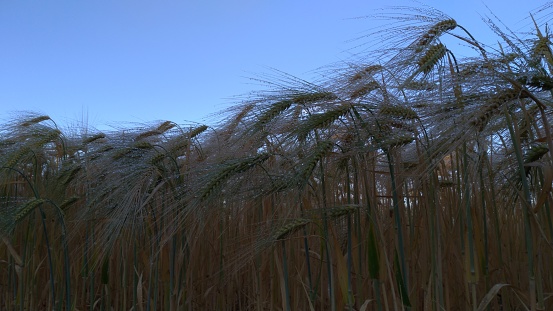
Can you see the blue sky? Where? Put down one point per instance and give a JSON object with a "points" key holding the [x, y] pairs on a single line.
{"points": [[108, 62]]}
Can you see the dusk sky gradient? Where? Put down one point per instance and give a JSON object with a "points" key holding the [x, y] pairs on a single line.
{"points": [[107, 62]]}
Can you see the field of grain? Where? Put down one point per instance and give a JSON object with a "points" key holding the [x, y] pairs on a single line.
{"points": [[412, 179]]}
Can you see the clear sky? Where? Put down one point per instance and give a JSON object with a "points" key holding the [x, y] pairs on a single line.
{"points": [[141, 61]]}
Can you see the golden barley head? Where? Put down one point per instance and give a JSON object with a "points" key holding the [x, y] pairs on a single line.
{"points": [[431, 57], [435, 31]]}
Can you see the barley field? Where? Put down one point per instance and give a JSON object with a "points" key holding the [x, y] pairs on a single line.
{"points": [[412, 178]]}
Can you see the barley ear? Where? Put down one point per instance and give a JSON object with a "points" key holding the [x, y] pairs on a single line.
{"points": [[339, 211], [165, 126], [431, 58], [35, 120], [289, 228], [94, 138], [436, 31], [308, 98], [69, 201], [27, 209], [197, 131]]}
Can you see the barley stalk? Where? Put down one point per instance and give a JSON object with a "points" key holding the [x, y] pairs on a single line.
{"points": [[435, 32], [446, 184], [434, 54], [15, 157], [67, 176], [337, 212], [35, 121], [93, 138], [420, 85], [69, 201], [228, 171], [367, 71], [365, 89], [197, 131], [322, 148], [143, 145], [165, 126], [122, 153], [27, 209], [289, 228], [308, 98], [156, 159], [147, 134], [535, 153], [322, 120], [492, 106], [398, 111], [396, 140], [274, 110]]}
